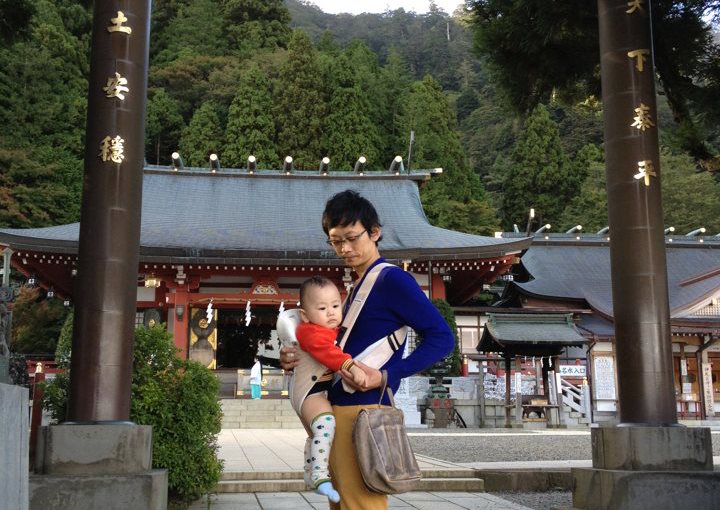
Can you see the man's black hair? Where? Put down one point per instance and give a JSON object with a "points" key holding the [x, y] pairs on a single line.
{"points": [[348, 207]]}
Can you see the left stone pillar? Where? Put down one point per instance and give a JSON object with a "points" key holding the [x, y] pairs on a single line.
{"points": [[98, 459]]}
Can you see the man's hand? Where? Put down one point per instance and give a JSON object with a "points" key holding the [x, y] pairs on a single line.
{"points": [[373, 378], [288, 357]]}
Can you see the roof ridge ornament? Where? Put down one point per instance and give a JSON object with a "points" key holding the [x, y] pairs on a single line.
{"points": [[324, 166], [288, 165]]}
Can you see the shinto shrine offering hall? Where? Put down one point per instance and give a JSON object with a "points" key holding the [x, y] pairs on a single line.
{"points": [[223, 250]]}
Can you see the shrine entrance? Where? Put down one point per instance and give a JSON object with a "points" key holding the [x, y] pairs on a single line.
{"points": [[238, 344]]}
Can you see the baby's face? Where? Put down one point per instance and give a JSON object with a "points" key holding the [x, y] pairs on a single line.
{"points": [[323, 306]]}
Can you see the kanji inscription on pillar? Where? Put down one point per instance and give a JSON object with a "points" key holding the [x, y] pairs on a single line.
{"points": [[646, 169], [635, 5], [116, 87], [639, 56], [112, 149], [117, 24], [643, 119]]}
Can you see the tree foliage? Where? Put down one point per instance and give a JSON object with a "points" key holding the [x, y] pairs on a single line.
{"points": [[691, 199], [30, 194], [178, 398], [255, 24], [348, 129], [299, 104], [14, 19], [37, 322], [538, 48], [456, 199], [453, 359], [203, 136], [163, 125], [250, 127], [538, 173]]}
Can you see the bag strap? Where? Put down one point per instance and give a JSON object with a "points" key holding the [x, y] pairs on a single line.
{"points": [[377, 354], [358, 301], [385, 387]]}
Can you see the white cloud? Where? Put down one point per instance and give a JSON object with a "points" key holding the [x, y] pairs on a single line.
{"points": [[419, 6]]}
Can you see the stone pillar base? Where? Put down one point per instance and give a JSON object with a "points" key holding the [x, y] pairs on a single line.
{"points": [[605, 489], [638, 468], [97, 467]]}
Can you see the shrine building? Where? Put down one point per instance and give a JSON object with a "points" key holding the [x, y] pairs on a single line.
{"points": [[242, 241], [569, 275]]}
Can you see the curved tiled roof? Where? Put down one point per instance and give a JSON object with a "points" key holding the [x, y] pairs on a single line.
{"points": [[582, 272], [232, 215]]}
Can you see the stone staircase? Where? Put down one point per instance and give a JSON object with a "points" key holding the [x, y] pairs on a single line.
{"points": [[576, 419], [459, 479], [259, 414]]}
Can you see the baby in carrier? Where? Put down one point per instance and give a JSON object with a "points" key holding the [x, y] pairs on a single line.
{"points": [[314, 328]]}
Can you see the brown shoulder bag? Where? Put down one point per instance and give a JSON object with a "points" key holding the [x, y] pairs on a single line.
{"points": [[386, 460]]}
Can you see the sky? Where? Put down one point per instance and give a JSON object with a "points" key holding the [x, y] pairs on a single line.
{"points": [[419, 6]]}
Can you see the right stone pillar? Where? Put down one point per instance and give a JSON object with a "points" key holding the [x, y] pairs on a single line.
{"points": [[647, 461]]}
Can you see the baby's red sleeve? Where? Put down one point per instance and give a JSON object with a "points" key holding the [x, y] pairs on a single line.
{"points": [[319, 342]]}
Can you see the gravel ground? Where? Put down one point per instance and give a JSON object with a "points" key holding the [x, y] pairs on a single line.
{"points": [[467, 446], [509, 447], [464, 445]]}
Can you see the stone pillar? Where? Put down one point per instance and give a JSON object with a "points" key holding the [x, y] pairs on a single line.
{"points": [[108, 249], [99, 460], [648, 461]]}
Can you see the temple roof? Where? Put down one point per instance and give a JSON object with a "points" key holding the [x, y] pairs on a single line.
{"points": [[193, 215], [529, 334], [565, 269]]}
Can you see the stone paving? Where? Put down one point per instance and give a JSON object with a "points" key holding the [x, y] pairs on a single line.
{"points": [[281, 450], [310, 500]]}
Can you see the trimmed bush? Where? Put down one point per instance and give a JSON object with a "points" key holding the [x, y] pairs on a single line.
{"points": [[453, 360], [178, 398]]}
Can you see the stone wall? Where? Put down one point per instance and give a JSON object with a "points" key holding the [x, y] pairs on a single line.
{"points": [[14, 446]]}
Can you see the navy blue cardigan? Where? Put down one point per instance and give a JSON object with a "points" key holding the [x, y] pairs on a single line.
{"points": [[395, 300]]}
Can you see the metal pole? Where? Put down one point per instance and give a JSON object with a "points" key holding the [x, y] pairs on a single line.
{"points": [[7, 254], [637, 245], [409, 158], [108, 254]]}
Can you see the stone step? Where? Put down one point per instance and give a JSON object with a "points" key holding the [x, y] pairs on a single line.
{"points": [[259, 414], [297, 485], [261, 425], [245, 486], [261, 475], [457, 473]]}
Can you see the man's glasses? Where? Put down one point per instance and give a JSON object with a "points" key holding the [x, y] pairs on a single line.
{"points": [[337, 243]]}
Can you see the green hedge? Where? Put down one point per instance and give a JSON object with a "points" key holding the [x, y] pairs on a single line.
{"points": [[179, 398]]}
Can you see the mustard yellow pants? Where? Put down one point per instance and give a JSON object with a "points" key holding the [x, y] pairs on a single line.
{"points": [[344, 470]]}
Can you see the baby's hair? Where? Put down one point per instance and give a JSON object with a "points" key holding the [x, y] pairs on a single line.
{"points": [[313, 281]]}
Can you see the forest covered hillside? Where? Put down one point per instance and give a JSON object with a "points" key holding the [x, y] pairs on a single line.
{"points": [[273, 78]]}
